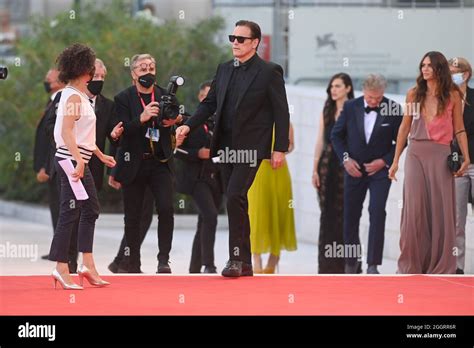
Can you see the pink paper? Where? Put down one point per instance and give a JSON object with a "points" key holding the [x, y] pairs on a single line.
{"points": [[77, 187]]}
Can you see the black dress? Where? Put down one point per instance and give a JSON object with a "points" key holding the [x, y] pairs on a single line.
{"points": [[331, 195]]}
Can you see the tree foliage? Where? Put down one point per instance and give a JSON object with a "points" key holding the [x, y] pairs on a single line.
{"points": [[192, 51]]}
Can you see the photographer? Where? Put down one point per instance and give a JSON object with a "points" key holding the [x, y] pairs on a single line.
{"points": [[143, 159]]}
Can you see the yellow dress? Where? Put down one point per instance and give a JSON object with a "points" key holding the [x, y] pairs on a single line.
{"points": [[272, 222]]}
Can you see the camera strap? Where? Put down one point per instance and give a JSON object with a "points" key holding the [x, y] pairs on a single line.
{"points": [[152, 119]]}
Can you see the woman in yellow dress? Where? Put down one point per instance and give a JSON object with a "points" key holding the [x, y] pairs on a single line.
{"points": [[272, 223]]}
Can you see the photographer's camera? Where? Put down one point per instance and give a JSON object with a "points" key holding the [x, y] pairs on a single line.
{"points": [[169, 109], [3, 72]]}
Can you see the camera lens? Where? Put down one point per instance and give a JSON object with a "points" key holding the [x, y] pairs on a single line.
{"points": [[3, 72], [180, 81]]}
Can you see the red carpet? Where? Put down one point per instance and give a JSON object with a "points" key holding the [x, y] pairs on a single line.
{"points": [[260, 295]]}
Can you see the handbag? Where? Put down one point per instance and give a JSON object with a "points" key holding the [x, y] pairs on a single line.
{"points": [[455, 158]]}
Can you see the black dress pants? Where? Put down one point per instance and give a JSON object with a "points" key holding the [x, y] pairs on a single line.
{"points": [[208, 198], [156, 176], [237, 179], [83, 213]]}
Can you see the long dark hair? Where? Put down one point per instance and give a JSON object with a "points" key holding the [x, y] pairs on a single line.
{"points": [[445, 84], [329, 111]]}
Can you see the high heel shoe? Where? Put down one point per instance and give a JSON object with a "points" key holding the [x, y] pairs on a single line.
{"points": [[84, 272], [272, 269], [268, 270], [57, 278]]}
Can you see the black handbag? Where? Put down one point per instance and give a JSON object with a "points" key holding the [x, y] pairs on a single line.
{"points": [[455, 158]]}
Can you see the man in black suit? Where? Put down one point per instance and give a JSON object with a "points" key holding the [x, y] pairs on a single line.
{"points": [[107, 126], [364, 139], [144, 159], [42, 147], [198, 177], [248, 97], [121, 261]]}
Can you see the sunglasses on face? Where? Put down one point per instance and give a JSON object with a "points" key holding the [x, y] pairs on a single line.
{"points": [[145, 67], [240, 39]]}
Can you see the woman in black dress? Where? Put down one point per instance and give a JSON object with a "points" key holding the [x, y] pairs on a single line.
{"points": [[328, 177]]}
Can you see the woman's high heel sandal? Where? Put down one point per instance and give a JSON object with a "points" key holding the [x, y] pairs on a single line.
{"points": [[84, 272], [272, 269], [57, 278], [269, 270]]}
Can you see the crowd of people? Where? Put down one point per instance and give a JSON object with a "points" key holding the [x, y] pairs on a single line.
{"points": [[244, 109], [358, 149]]}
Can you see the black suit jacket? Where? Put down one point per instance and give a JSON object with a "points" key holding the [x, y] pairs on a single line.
{"points": [[42, 144], [468, 118], [105, 122], [262, 105], [348, 134], [130, 153], [189, 167], [50, 120]]}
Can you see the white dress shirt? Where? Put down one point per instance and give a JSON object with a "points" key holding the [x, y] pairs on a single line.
{"points": [[54, 94], [369, 123]]}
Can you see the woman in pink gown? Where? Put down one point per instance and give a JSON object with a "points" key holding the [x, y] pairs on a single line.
{"points": [[432, 117]]}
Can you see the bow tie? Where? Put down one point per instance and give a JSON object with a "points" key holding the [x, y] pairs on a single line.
{"points": [[369, 109]]}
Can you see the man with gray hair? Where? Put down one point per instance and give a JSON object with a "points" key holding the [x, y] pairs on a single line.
{"points": [[145, 160], [364, 139]]}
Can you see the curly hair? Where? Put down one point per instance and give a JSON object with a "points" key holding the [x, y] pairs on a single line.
{"points": [[443, 76], [75, 61]]}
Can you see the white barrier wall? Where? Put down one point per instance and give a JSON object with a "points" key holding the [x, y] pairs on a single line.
{"points": [[306, 104]]}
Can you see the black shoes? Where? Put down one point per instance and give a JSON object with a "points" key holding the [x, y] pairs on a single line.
{"points": [[353, 268], [113, 267], [232, 269], [123, 267], [236, 269], [163, 267], [210, 269], [459, 271], [247, 270], [372, 269]]}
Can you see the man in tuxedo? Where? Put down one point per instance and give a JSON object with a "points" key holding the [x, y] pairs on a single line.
{"points": [[42, 147], [364, 139], [144, 159], [249, 99], [107, 126]]}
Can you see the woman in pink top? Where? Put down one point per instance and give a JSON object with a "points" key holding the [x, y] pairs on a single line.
{"points": [[428, 223]]}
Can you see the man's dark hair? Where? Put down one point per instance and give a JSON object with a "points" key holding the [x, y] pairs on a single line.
{"points": [[75, 61], [254, 29], [205, 84]]}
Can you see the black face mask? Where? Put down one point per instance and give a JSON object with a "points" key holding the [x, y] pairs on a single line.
{"points": [[47, 86], [95, 86], [147, 80]]}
